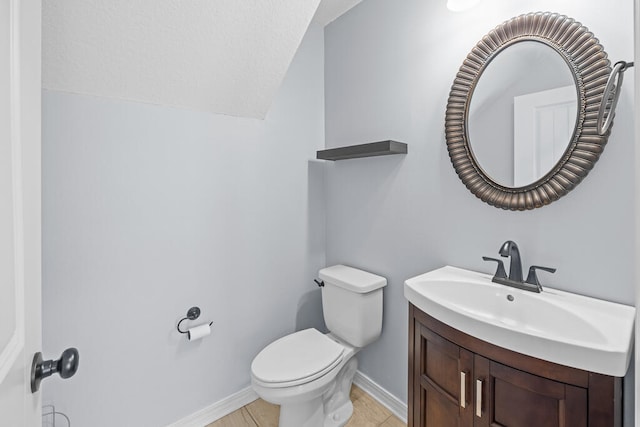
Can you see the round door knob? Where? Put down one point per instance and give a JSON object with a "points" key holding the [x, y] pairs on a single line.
{"points": [[66, 367]]}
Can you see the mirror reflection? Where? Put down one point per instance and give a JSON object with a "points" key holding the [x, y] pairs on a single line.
{"points": [[522, 114]]}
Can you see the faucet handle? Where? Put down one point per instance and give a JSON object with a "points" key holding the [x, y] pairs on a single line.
{"points": [[501, 273], [532, 277]]}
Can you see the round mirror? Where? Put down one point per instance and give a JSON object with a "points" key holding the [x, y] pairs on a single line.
{"points": [[521, 116]]}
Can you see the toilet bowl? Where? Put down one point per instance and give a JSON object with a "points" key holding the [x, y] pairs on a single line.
{"points": [[308, 373]]}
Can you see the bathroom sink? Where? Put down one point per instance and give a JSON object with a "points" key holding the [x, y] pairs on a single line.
{"points": [[557, 326]]}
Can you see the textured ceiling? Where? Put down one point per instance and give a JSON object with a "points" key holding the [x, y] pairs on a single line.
{"points": [[222, 56]]}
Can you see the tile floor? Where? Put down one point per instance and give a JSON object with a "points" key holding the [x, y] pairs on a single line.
{"points": [[367, 412]]}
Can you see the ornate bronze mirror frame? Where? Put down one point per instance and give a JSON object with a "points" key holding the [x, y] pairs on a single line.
{"points": [[587, 61]]}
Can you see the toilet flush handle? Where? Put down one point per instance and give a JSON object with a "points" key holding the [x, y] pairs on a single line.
{"points": [[320, 283]]}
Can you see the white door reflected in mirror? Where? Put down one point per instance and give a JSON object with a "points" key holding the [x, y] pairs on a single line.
{"points": [[538, 78], [543, 124]]}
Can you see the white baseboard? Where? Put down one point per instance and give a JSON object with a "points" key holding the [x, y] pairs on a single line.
{"points": [[386, 399], [218, 410], [245, 396]]}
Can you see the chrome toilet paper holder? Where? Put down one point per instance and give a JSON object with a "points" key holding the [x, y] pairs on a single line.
{"points": [[192, 314]]}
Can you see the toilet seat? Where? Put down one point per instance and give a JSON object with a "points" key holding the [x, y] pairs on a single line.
{"points": [[296, 359]]}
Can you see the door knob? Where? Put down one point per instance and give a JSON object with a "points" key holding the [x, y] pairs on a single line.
{"points": [[66, 366]]}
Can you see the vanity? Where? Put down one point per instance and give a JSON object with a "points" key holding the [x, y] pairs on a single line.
{"points": [[484, 354], [524, 124]]}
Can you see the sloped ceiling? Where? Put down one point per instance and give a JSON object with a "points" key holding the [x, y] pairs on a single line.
{"points": [[222, 56], [329, 10]]}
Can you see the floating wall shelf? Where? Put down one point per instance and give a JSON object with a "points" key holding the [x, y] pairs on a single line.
{"points": [[382, 148]]}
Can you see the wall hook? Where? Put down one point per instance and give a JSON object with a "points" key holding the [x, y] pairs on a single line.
{"points": [[611, 95], [192, 314]]}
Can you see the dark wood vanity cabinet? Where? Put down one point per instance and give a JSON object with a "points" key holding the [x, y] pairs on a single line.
{"points": [[456, 380]]}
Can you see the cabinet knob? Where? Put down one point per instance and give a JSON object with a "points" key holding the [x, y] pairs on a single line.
{"points": [[479, 398], [463, 389]]}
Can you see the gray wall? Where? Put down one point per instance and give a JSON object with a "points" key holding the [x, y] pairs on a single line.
{"points": [[149, 210], [388, 69]]}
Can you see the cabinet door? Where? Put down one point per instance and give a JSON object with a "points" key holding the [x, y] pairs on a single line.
{"points": [[443, 374], [511, 398]]}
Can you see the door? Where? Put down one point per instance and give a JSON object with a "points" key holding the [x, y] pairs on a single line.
{"points": [[543, 126], [20, 334], [508, 397], [442, 382]]}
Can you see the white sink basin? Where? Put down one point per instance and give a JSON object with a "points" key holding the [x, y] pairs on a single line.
{"points": [[557, 326]]}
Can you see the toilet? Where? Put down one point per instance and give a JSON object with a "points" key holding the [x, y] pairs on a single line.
{"points": [[308, 373]]}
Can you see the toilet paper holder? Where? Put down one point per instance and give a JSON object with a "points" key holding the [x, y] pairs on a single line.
{"points": [[192, 314]]}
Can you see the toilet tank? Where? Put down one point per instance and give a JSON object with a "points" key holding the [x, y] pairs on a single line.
{"points": [[352, 303]]}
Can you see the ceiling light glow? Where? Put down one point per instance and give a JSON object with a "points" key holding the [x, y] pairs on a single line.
{"points": [[461, 5]]}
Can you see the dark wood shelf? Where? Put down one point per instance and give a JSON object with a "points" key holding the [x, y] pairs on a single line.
{"points": [[382, 148]]}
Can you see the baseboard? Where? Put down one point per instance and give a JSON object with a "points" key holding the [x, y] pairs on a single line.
{"points": [[217, 410], [237, 400], [386, 399]]}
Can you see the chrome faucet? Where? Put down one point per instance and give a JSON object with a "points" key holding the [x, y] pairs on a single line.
{"points": [[510, 249]]}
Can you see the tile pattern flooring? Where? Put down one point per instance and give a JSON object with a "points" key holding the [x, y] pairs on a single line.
{"points": [[367, 412]]}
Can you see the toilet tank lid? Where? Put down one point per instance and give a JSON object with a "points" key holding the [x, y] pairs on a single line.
{"points": [[352, 279]]}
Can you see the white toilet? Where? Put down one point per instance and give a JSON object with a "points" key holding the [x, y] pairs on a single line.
{"points": [[309, 374]]}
